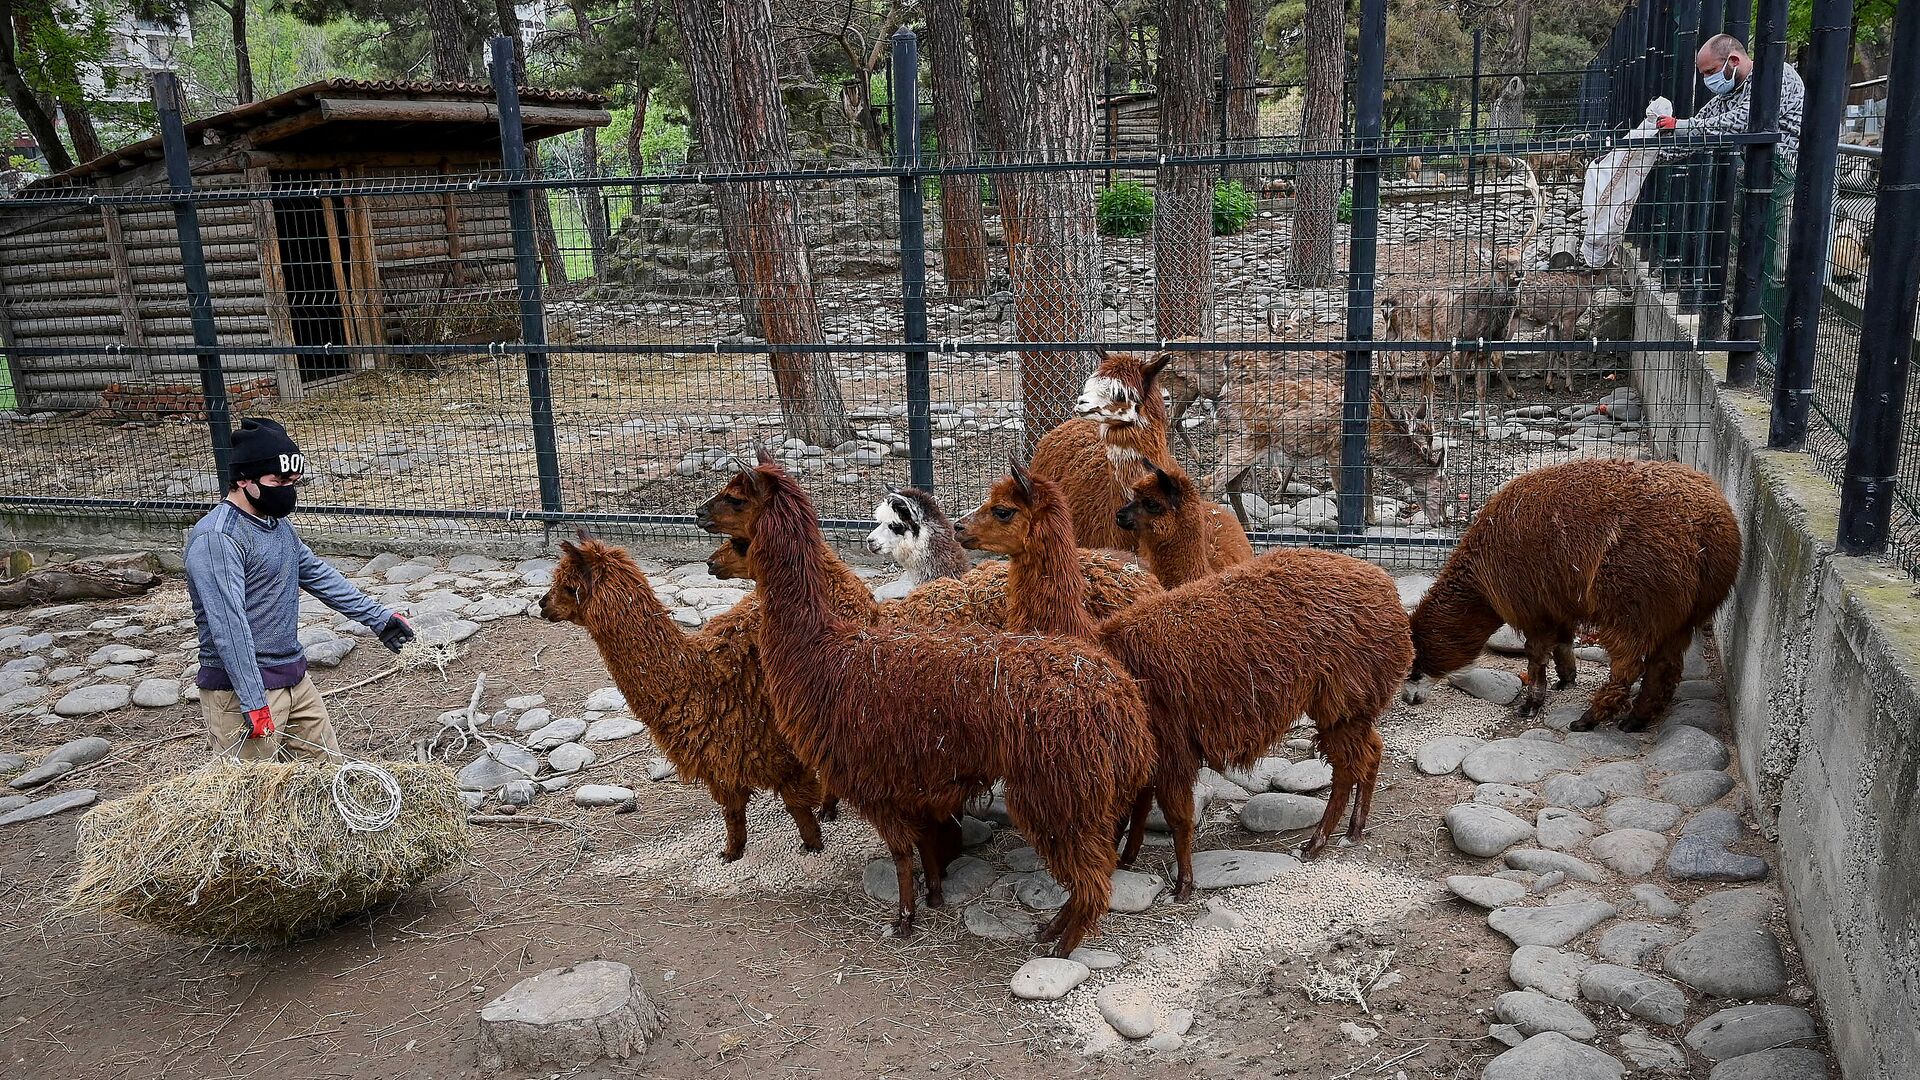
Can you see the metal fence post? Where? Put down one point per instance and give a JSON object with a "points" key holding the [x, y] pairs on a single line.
{"points": [[1715, 193], [1473, 114], [1363, 239], [1887, 320], [526, 268], [1769, 54], [1675, 241], [913, 256], [1807, 236], [193, 267]]}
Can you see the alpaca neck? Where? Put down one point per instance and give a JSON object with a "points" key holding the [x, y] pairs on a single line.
{"points": [[796, 576], [645, 651], [1186, 555], [1452, 624], [1045, 587]]}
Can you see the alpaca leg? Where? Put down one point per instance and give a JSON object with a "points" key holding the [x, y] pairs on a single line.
{"points": [[1176, 802], [830, 807], [733, 807], [1628, 662], [1563, 666], [1137, 826], [899, 836], [1656, 686], [1363, 795], [800, 802], [1345, 776], [939, 846], [1535, 695]]}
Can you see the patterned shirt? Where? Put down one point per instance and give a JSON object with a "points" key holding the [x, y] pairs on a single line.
{"points": [[1728, 114]]}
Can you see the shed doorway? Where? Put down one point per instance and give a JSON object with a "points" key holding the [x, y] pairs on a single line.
{"points": [[324, 260]]}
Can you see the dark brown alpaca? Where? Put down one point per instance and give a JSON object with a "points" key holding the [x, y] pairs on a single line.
{"points": [[1643, 552], [1229, 661], [908, 723], [1095, 464], [699, 694]]}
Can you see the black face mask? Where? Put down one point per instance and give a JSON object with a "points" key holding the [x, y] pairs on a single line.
{"points": [[272, 502]]}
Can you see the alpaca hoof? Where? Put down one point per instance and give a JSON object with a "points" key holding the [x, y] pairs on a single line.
{"points": [[1636, 724], [901, 928], [1528, 707], [1312, 848], [936, 899], [1183, 891], [732, 854], [830, 811], [1415, 691], [814, 848], [1567, 683], [1587, 722]]}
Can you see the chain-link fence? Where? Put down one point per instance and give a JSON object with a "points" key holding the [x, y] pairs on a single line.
{"points": [[464, 347]]}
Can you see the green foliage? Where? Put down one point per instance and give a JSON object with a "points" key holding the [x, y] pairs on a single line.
{"points": [[1124, 209], [1233, 207], [1344, 212], [285, 52]]}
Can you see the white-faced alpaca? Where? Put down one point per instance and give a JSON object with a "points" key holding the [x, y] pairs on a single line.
{"points": [[916, 535]]}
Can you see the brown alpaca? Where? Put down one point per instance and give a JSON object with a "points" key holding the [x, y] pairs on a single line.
{"points": [[976, 598], [909, 723], [699, 694], [1643, 552], [1094, 465], [1229, 661]]}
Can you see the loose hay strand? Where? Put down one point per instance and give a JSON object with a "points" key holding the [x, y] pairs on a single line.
{"points": [[256, 853]]}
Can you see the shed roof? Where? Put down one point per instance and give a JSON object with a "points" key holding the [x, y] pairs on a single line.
{"points": [[348, 114]]}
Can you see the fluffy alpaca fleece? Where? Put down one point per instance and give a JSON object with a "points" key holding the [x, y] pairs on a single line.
{"points": [[1229, 661], [1095, 468], [1643, 552], [1301, 419], [700, 694], [908, 723], [914, 532], [976, 598]]}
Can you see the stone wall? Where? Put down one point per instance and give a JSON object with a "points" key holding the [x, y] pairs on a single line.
{"points": [[1822, 654]]}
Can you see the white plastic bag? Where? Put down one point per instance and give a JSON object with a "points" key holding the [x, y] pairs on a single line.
{"points": [[1613, 187]]}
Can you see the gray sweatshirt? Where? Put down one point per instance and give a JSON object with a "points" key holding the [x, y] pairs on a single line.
{"points": [[244, 575]]}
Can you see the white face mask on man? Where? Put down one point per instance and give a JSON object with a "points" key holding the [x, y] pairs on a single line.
{"points": [[1722, 81]]}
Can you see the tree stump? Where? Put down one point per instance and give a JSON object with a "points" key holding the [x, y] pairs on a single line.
{"points": [[568, 1016]]}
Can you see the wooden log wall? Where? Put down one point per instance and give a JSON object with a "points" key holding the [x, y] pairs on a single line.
{"points": [[437, 252]]}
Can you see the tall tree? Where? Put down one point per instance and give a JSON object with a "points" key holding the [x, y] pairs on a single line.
{"points": [[236, 11], [593, 199], [963, 229], [1039, 64], [1316, 186], [451, 62], [742, 125], [1521, 47], [1183, 203], [1243, 115], [24, 99]]}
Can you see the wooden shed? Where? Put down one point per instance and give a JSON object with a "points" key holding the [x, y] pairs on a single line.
{"points": [[374, 269]]}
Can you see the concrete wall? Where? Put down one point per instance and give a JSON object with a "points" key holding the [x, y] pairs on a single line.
{"points": [[1822, 656]]}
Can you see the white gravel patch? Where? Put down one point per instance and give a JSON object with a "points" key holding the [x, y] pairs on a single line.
{"points": [[774, 864]]}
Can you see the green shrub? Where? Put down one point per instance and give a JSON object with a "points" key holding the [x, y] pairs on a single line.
{"points": [[1345, 212], [1232, 207], [1125, 209]]}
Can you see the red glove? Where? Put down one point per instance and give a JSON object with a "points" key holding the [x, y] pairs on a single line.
{"points": [[1665, 123], [260, 723]]}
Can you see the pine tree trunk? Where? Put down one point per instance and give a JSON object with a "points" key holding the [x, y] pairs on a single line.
{"points": [[636, 135], [593, 200], [1316, 190], [742, 124], [449, 58], [1522, 34], [1243, 116], [242, 53], [25, 104], [1183, 195], [86, 138], [963, 228], [1040, 77]]}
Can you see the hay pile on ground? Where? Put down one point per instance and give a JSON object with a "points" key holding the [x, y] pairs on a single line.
{"points": [[255, 853]]}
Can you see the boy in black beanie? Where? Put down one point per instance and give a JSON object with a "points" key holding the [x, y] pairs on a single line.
{"points": [[245, 573]]}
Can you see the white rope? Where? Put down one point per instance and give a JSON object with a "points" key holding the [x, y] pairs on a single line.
{"points": [[361, 814]]}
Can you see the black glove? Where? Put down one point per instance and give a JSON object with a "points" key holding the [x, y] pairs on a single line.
{"points": [[397, 632]]}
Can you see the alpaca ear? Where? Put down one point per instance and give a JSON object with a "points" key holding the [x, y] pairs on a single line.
{"points": [[1167, 486], [583, 534], [1153, 368], [761, 456], [567, 547], [1021, 476]]}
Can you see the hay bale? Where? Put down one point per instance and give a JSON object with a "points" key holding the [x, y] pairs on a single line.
{"points": [[255, 853]]}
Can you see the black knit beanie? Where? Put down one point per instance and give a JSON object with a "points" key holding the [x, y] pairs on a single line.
{"points": [[261, 448]]}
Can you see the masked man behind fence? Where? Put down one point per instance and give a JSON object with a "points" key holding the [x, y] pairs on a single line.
{"points": [[1727, 69], [245, 573]]}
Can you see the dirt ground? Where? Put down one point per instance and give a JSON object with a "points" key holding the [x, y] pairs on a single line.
{"points": [[774, 966]]}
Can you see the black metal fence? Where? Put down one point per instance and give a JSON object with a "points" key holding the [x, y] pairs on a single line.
{"points": [[598, 351]]}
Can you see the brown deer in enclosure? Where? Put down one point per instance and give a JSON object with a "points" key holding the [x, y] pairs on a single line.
{"points": [[1562, 301], [1642, 552], [1468, 313], [1300, 420], [907, 724]]}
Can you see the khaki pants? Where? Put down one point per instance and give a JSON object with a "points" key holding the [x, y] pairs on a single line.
{"points": [[301, 727]]}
